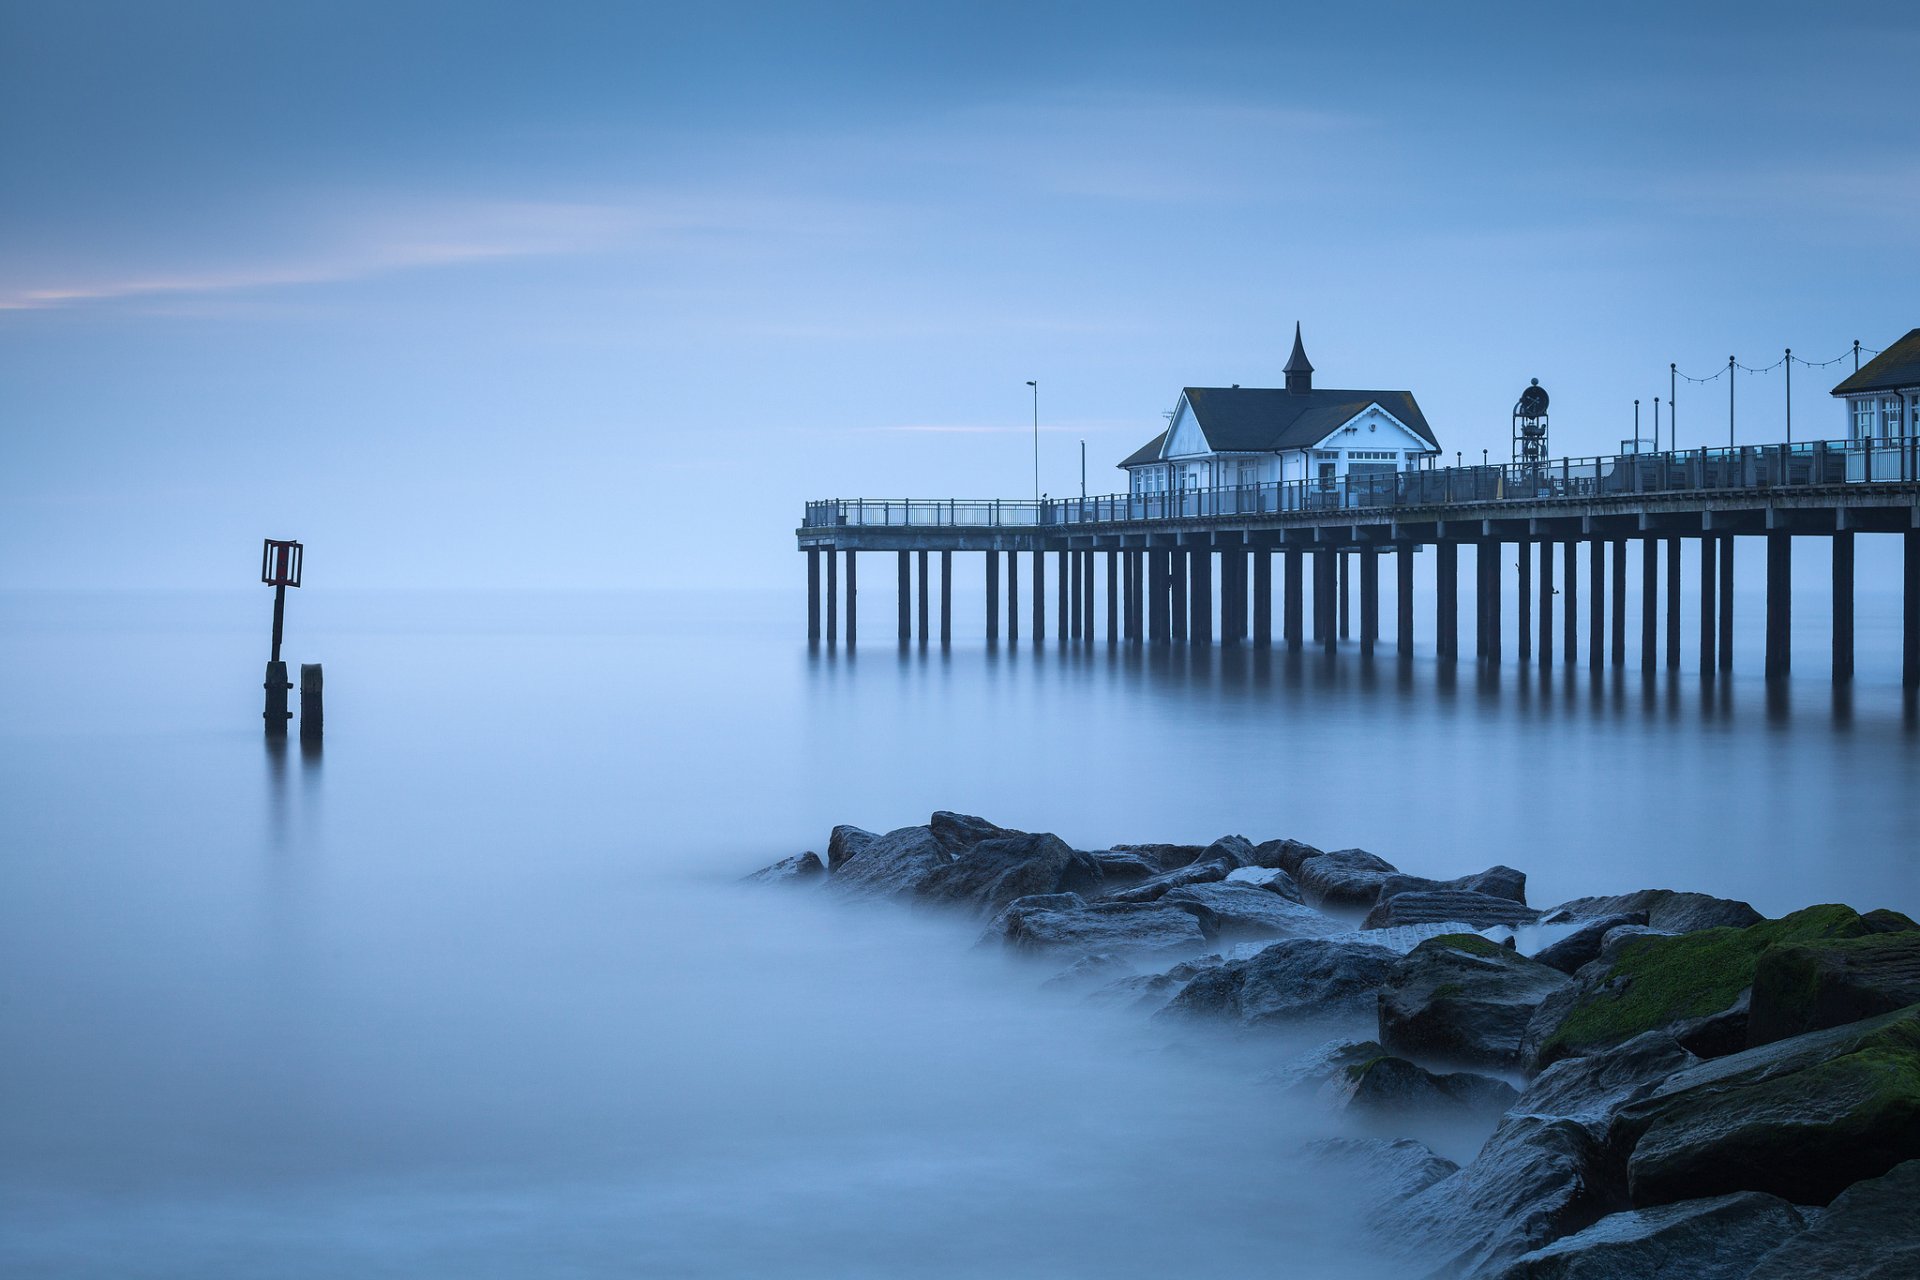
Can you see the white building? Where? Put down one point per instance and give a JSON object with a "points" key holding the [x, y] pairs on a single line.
{"points": [[1222, 437], [1883, 398]]}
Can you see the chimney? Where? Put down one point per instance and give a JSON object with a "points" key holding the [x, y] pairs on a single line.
{"points": [[1299, 372]]}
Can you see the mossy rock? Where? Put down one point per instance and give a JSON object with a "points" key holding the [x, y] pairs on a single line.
{"points": [[1658, 982], [1471, 943], [1806, 986]]}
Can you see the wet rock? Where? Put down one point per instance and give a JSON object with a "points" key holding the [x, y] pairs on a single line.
{"points": [[1591, 1090], [1250, 911], [1533, 1182], [1645, 983], [1148, 993], [1100, 970], [1667, 910], [1193, 873], [1163, 857], [1322, 1066], [958, 832], [1066, 921], [1495, 882], [846, 842], [995, 870], [1582, 946], [1617, 937], [1385, 1172], [884, 866], [1802, 1118], [1105, 871], [1871, 1232], [1813, 985], [1717, 1034], [1715, 1239], [1460, 998], [1343, 878], [796, 870], [1477, 910], [1237, 850], [1302, 979], [1272, 878], [1387, 1085], [1287, 855]]}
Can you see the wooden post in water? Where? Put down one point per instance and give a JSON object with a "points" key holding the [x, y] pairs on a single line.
{"points": [[1087, 595], [1779, 604], [1369, 599], [1200, 597], [1324, 596], [313, 716], [1571, 594], [1137, 565], [853, 599], [813, 593], [1709, 585], [1492, 581], [1649, 604], [993, 597], [1546, 605], [1263, 597], [1292, 592], [1673, 604], [1177, 566], [946, 597], [1446, 609], [1842, 606], [1726, 603], [1346, 591], [1013, 596], [904, 595], [1160, 595], [1619, 603], [1523, 603], [1403, 574], [1113, 597], [1910, 611], [833, 596], [1062, 604], [1039, 595], [1597, 604], [920, 563]]}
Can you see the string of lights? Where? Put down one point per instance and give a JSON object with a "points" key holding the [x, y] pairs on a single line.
{"points": [[1810, 364]]}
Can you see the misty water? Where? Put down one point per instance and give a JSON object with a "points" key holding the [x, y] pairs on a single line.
{"points": [[475, 991]]}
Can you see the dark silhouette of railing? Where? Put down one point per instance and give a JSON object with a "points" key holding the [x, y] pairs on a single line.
{"points": [[1705, 470]]}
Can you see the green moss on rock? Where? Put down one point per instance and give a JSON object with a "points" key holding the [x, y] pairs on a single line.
{"points": [[1471, 943], [1807, 986], [1659, 981]]}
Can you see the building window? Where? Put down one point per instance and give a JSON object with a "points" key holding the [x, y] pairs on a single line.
{"points": [[1862, 419], [1890, 410]]}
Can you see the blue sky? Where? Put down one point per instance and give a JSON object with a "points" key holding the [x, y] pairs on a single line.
{"points": [[601, 294]]}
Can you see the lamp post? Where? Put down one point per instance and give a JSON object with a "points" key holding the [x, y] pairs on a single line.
{"points": [[1036, 437], [280, 563]]}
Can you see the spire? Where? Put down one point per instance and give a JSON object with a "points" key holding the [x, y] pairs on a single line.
{"points": [[1299, 372]]}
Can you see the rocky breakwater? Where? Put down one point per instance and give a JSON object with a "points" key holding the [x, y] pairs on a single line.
{"points": [[1667, 1083]]}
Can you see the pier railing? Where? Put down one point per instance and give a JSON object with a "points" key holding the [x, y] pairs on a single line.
{"points": [[1745, 467]]}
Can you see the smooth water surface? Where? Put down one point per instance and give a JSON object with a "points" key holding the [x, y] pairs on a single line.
{"points": [[474, 991]]}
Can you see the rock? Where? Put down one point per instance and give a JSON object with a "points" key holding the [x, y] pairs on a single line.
{"points": [[1287, 855], [1384, 1171], [1343, 878], [888, 866], [1667, 910], [1715, 1239], [1237, 850], [1104, 871], [1495, 882], [1717, 1034], [1193, 873], [1271, 878], [1582, 946], [1592, 1089], [1534, 1181], [1248, 910], [1163, 857], [793, 870], [1871, 1232], [1647, 983], [1323, 1065], [1618, 936], [845, 843], [1384, 1084], [1477, 910], [1148, 993], [1068, 921], [1101, 969], [1460, 998], [1302, 979], [995, 870], [958, 832], [1802, 1118], [1813, 985]]}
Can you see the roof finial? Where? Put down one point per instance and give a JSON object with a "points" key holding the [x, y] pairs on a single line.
{"points": [[1299, 371]]}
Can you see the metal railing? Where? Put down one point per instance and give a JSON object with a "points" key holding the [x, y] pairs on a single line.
{"points": [[1706, 470]]}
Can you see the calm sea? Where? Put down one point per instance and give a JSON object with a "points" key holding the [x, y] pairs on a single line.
{"points": [[475, 992]]}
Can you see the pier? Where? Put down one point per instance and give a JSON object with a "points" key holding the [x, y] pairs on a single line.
{"points": [[1202, 566]]}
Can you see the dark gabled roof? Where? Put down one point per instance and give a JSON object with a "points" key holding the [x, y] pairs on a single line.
{"points": [[1897, 368], [1148, 452], [1263, 419]]}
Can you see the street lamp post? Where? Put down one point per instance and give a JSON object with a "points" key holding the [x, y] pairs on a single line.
{"points": [[1036, 438]]}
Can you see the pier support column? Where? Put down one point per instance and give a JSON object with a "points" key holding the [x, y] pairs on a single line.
{"points": [[833, 596], [1726, 603], [1067, 598], [1649, 605], [946, 597], [1325, 593], [921, 564], [1673, 604], [1113, 597], [1779, 604], [1292, 591], [1159, 596], [1570, 594], [1369, 599], [1446, 609], [1087, 595], [905, 594], [1523, 602], [993, 597], [1842, 606], [853, 598], [1177, 564], [1200, 597], [1346, 592], [1013, 596], [1039, 595], [1546, 605], [1403, 575], [1709, 586], [1619, 633], [1262, 597], [813, 593], [1910, 612], [1596, 604], [1070, 601], [1493, 551]]}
